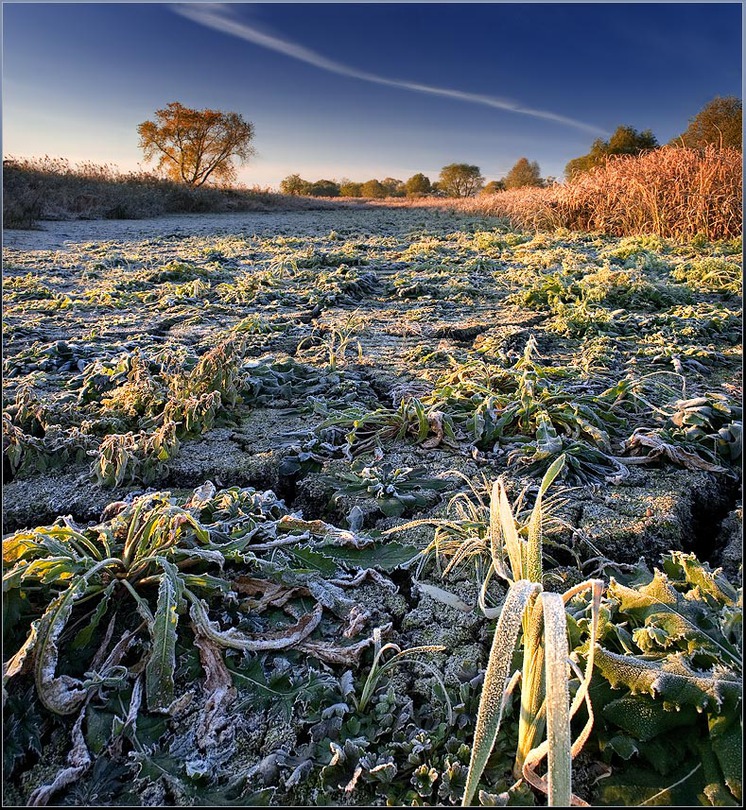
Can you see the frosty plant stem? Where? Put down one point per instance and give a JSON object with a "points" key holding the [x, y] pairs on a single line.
{"points": [[377, 669], [545, 701]]}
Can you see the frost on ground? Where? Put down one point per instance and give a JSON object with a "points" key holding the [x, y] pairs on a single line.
{"points": [[355, 370]]}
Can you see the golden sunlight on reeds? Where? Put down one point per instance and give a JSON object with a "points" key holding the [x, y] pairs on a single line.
{"points": [[670, 192]]}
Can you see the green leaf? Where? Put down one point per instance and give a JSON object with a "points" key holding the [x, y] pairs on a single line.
{"points": [[623, 745], [645, 718], [633, 786], [150, 729], [534, 550], [98, 729], [206, 582], [391, 507], [715, 792], [314, 560], [52, 569], [64, 694], [726, 738], [14, 604], [385, 556], [86, 634], [159, 670]]}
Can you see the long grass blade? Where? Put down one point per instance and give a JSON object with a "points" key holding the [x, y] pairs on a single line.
{"points": [[558, 715], [531, 721], [534, 551], [502, 521], [496, 677]]}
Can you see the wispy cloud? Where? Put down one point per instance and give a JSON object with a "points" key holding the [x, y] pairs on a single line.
{"points": [[220, 18]]}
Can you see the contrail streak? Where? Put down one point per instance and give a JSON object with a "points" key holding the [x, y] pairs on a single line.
{"points": [[218, 16]]}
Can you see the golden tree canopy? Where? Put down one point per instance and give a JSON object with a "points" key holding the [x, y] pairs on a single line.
{"points": [[719, 122], [194, 146]]}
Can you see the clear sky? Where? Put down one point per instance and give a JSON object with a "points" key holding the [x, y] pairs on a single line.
{"points": [[365, 90]]}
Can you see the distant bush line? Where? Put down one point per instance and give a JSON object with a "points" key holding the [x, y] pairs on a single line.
{"points": [[53, 189]]}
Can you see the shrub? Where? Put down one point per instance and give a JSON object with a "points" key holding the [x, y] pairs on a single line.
{"points": [[524, 173], [324, 188], [372, 188], [417, 185]]}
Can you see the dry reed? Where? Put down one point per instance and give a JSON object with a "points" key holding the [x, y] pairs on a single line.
{"points": [[52, 188], [670, 192]]}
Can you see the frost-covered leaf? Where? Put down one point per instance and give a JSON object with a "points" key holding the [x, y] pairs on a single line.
{"points": [[209, 555], [686, 567], [20, 546], [237, 640], [496, 677], [653, 446], [645, 719], [726, 739], [159, 670], [78, 762], [63, 694], [384, 556], [672, 679], [667, 618], [446, 597]]}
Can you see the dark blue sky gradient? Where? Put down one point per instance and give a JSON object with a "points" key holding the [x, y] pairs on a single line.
{"points": [[78, 78]]}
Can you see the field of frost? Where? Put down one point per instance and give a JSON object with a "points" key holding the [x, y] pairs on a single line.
{"points": [[251, 535]]}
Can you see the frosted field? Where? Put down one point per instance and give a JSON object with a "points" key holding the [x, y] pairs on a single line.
{"points": [[333, 375]]}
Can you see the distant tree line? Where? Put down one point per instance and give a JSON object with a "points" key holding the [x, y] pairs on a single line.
{"points": [[455, 180], [388, 187], [718, 123]]}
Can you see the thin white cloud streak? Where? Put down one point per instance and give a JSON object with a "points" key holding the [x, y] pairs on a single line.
{"points": [[218, 17]]}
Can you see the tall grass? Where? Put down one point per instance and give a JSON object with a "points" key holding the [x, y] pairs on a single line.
{"points": [[670, 192], [53, 188], [545, 666]]}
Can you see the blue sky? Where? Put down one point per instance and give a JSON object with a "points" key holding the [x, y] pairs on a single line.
{"points": [[365, 90]]}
